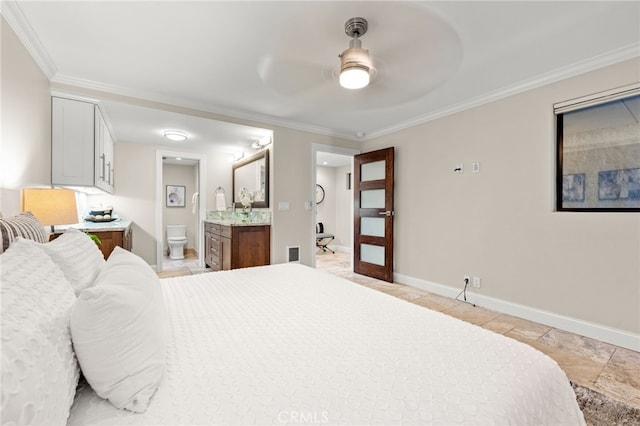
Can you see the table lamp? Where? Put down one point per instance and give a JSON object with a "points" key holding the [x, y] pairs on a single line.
{"points": [[50, 206]]}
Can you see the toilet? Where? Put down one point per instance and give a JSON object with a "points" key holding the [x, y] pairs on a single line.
{"points": [[177, 238]]}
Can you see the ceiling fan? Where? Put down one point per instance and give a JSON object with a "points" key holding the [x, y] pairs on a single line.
{"points": [[400, 66], [356, 67]]}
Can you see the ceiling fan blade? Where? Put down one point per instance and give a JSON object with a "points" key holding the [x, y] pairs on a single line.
{"points": [[291, 77]]}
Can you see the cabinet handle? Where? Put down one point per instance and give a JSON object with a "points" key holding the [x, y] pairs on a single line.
{"points": [[112, 178], [102, 157], [109, 170]]}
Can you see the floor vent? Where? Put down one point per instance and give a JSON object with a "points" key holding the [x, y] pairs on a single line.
{"points": [[293, 254]]}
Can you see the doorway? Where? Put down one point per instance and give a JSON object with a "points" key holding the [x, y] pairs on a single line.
{"points": [[191, 209], [332, 174]]}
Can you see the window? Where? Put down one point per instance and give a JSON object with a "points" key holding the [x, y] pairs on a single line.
{"points": [[598, 152]]}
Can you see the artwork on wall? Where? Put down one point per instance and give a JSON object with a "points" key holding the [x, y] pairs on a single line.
{"points": [[619, 184], [573, 187], [598, 152], [175, 196]]}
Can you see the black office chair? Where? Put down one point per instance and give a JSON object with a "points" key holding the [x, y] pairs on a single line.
{"points": [[323, 239]]}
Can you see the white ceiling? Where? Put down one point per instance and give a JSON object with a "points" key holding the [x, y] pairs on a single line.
{"points": [[275, 62], [329, 159]]}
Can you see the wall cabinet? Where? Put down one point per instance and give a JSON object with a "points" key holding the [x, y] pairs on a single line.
{"points": [[103, 171], [233, 247], [82, 151]]}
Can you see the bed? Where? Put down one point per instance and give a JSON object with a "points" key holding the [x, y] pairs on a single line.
{"points": [[287, 344]]}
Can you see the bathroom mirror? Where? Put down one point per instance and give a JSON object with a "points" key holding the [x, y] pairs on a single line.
{"points": [[252, 173]]}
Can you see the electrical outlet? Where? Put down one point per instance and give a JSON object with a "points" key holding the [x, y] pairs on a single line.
{"points": [[476, 282], [466, 279], [476, 167]]}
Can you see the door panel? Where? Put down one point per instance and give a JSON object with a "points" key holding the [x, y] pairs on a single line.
{"points": [[373, 226], [373, 214], [372, 199]]}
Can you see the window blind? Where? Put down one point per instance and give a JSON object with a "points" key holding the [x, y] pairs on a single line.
{"points": [[597, 98]]}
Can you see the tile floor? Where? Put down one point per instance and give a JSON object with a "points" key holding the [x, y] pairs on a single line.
{"points": [[605, 368], [175, 268]]}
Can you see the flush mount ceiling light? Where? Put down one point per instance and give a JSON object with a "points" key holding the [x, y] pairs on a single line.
{"points": [[355, 64], [176, 135]]}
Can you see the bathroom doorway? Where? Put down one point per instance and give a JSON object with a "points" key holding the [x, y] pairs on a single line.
{"points": [[182, 174]]}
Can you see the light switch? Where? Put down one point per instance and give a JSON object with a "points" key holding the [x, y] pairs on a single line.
{"points": [[283, 205]]}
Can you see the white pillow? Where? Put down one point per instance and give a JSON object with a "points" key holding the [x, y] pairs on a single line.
{"points": [[119, 328], [39, 370], [78, 256]]}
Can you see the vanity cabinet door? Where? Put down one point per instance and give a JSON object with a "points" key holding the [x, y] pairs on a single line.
{"points": [[226, 255], [250, 246], [213, 248]]}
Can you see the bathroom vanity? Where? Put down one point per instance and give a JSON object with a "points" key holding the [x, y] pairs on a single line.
{"points": [[233, 244]]}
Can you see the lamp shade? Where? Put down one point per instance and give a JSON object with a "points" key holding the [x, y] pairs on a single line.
{"points": [[50, 206]]}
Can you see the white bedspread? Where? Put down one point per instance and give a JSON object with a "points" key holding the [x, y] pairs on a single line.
{"points": [[286, 344]]}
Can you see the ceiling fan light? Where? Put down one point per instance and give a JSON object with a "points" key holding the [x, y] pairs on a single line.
{"points": [[355, 64], [354, 77]]}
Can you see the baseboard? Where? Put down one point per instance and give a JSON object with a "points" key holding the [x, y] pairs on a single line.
{"points": [[600, 332]]}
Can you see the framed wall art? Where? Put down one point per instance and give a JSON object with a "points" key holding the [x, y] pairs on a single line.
{"points": [[175, 196]]}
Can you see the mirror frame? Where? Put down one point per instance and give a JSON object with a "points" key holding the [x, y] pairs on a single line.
{"points": [[255, 157]]}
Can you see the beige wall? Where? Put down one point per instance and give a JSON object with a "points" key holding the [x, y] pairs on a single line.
{"points": [[500, 224], [344, 212], [292, 177], [25, 146]]}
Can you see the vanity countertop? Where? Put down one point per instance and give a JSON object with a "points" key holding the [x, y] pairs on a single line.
{"points": [[239, 218], [119, 224], [235, 222]]}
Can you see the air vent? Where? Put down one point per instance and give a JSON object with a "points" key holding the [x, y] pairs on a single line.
{"points": [[293, 254]]}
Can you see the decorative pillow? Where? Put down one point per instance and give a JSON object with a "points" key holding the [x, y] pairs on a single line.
{"points": [[78, 256], [119, 328], [39, 370], [21, 225]]}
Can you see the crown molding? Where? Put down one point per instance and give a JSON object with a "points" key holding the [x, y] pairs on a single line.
{"points": [[185, 103], [18, 22], [609, 58]]}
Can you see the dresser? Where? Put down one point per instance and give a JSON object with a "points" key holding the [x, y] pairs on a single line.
{"points": [[236, 246]]}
